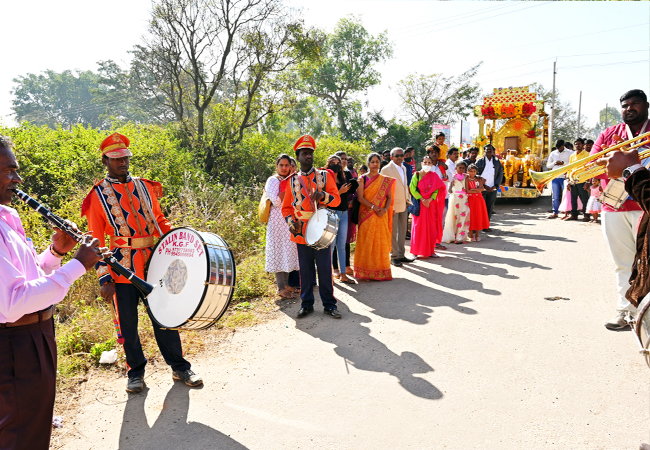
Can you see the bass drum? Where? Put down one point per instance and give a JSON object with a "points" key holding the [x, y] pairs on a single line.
{"points": [[193, 274]]}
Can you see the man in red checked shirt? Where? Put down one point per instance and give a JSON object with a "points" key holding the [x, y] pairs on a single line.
{"points": [[307, 188], [619, 225]]}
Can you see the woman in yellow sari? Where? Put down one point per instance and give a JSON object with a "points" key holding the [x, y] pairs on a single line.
{"points": [[372, 253]]}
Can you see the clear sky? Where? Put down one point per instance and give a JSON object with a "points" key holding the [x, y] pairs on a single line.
{"points": [[602, 48]]}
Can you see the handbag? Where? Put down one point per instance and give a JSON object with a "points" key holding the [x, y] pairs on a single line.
{"points": [[414, 207], [264, 208]]}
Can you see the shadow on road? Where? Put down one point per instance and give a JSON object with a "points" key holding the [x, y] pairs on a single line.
{"points": [[171, 429], [364, 352]]}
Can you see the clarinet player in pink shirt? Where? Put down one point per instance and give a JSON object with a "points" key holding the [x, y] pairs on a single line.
{"points": [[30, 284]]}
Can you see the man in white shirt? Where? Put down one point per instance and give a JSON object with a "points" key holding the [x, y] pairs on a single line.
{"points": [[491, 169], [557, 159], [395, 169], [452, 157]]}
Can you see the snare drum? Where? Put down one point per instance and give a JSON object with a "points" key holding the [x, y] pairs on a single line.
{"points": [[321, 229], [193, 274]]}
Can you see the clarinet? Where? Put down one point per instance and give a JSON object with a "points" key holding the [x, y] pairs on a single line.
{"points": [[144, 287]]}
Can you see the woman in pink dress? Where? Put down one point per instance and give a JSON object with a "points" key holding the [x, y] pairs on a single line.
{"points": [[479, 219], [426, 230]]}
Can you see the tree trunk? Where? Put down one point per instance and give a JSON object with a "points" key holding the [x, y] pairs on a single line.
{"points": [[200, 123], [342, 126], [209, 159]]}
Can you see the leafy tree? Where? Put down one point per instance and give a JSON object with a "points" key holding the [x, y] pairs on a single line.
{"points": [[54, 99], [218, 66], [118, 94], [308, 116], [86, 98], [439, 99], [393, 133], [346, 67], [606, 118]]}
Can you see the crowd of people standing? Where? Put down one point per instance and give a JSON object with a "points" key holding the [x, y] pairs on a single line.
{"points": [[573, 199], [448, 200]]}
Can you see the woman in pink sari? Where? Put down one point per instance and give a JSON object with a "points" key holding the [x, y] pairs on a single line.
{"points": [[426, 230]]}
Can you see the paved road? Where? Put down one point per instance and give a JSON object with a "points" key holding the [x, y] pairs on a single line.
{"points": [[462, 352]]}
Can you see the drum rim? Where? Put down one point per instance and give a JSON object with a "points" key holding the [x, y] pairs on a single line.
{"points": [[205, 288], [330, 217], [643, 308]]}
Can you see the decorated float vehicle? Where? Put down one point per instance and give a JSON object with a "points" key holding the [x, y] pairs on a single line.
{"points": [[521, 141]]}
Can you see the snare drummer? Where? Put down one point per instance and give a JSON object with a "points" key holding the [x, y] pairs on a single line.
{"points": [[126, 209], [307, 189], [619, 225]]}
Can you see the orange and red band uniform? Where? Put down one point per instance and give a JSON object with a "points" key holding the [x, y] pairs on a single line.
{"points": [[126, 212], [297, 205]]}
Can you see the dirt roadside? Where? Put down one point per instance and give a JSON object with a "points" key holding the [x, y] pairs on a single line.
{"points": [[455, 353]]}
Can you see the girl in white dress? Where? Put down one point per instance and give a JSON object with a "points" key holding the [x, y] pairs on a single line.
{"points": [[281, 253], [457, 220]]}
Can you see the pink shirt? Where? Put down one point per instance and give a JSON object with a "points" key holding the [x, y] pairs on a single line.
{"points": [[606, 138], [29, 282]]}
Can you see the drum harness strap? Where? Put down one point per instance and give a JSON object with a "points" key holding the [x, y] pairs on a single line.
{"points": [[309, 192]]}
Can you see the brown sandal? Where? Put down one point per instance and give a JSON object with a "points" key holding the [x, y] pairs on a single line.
{"points": [[285, 293]]}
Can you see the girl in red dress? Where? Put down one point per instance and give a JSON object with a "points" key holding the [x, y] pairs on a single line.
{"points": [[478, 211]]}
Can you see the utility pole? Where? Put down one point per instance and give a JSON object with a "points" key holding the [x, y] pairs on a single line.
{"points": [[579, 110], [606, 115], [550, 122]]}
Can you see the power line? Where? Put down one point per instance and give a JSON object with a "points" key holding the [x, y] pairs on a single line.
{"points": [[460, 16], [608, 64], [569, 37], [477, 20], [563, 56], [568, 68]]}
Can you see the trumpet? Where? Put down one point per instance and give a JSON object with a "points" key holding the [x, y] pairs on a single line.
{"points": [[584, 169]]}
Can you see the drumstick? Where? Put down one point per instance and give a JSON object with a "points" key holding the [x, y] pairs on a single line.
{"points": [[118, 331]]}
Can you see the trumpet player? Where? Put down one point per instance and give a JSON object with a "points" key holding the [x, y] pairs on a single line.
{"points": [[30, 285], [578, 190], [619, 225]]}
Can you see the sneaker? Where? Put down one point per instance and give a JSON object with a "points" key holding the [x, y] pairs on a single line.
{"points": [[135, 385], [187, 376], [619, 322]]}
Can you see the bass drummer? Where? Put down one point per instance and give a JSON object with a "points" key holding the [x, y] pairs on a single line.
{"points": [[126, 209], [307, 190]]}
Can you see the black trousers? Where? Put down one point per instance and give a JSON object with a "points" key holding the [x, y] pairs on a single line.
{"points": [[578, 190], [307, 256], [127, 297], [27, 386], [490, 199], [294, 278]]}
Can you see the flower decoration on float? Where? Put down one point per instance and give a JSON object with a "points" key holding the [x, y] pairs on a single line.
{"points": [[531, 133], [482, 141], [534, 117]]}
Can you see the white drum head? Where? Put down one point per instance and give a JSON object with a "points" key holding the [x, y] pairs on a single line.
{"points": [[178, 270], [315, 228]]}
